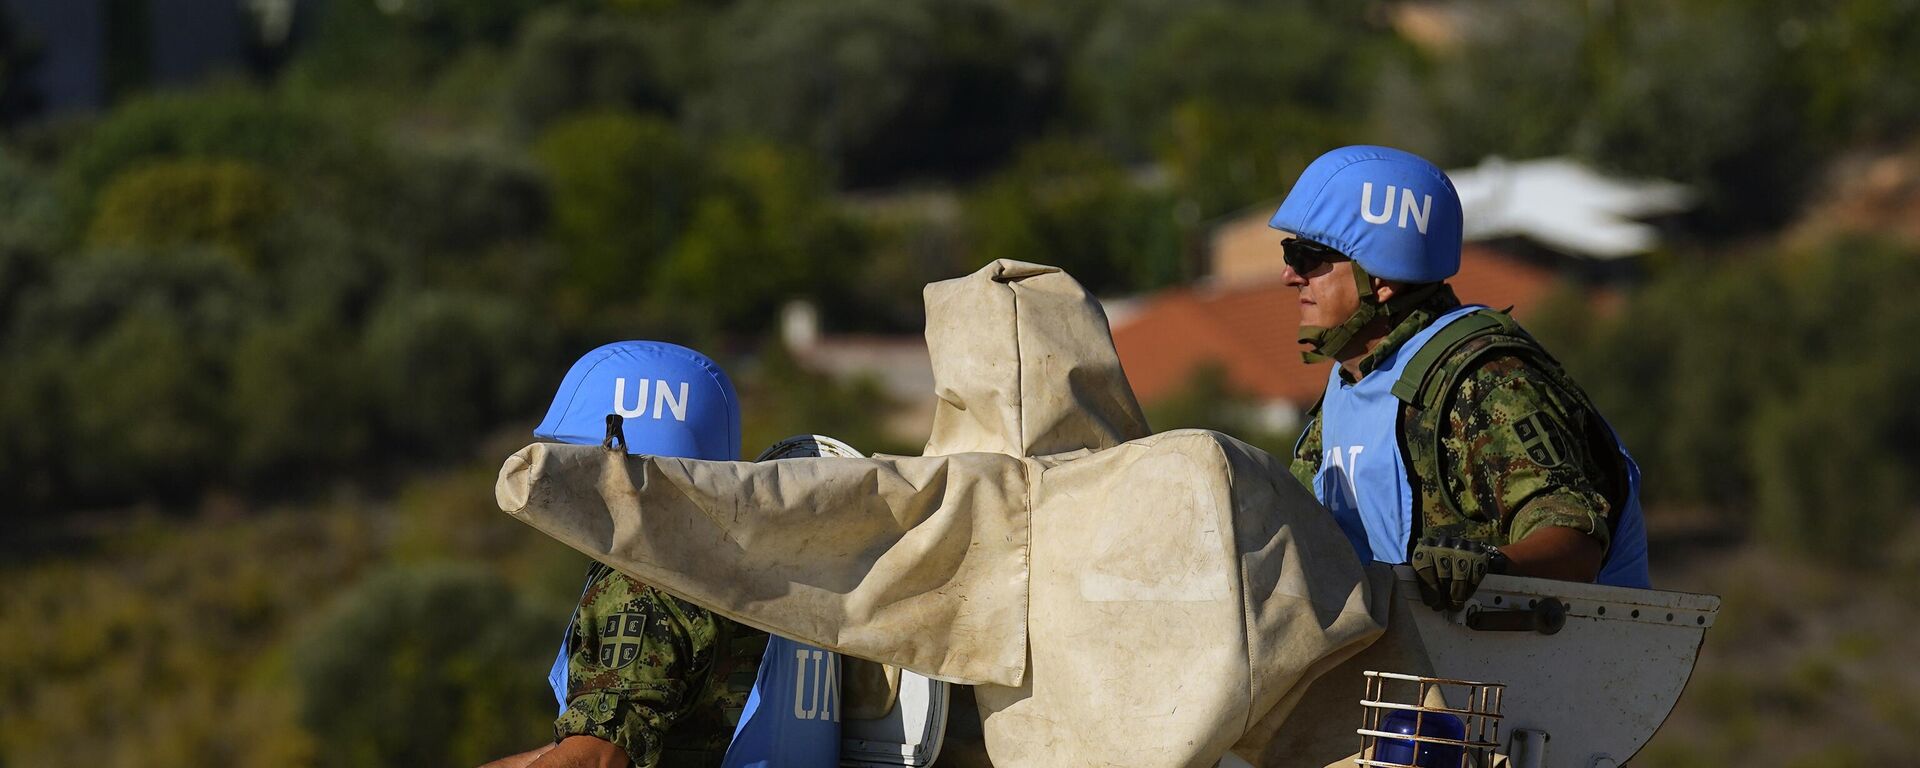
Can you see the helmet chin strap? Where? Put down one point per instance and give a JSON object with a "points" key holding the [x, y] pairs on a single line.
{"points": [[1324, 343]]}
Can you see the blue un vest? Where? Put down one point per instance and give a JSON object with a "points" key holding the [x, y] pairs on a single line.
{"points": [[1363, 477], [792, 718], [557, 675]]}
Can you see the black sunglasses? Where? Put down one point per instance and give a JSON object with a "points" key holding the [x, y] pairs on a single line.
{"points": [[1305, 256]]}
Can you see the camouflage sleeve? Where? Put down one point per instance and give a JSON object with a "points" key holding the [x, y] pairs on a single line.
{"points": [[1306, 453], [633, 656], [1511, 456]]}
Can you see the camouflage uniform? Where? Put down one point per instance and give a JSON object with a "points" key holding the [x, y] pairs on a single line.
{"points": [[661, 678], [1515, 443]]}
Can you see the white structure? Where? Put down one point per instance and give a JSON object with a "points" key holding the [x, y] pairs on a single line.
{"points": [[1564, 205]]}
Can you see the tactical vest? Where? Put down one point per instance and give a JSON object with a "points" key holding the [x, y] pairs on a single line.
{"points": [[1425, 383]]}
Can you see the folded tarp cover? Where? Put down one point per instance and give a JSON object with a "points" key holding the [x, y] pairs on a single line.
{"points": [[917, 562], [1118, 598]]}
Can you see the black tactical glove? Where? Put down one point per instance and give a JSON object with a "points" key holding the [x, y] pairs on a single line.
{"points": [[1450, 569]]}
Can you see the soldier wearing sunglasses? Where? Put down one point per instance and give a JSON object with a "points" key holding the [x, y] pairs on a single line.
{"points": [[1447, 438]]}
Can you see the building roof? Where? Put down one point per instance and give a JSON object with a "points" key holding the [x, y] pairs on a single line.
{"points": [[1249, 329]]}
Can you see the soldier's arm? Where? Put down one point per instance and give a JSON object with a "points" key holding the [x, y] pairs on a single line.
{"points": [[1554, 552], [629, 674], [1306, 453], [1520, 462], [582, 752]]}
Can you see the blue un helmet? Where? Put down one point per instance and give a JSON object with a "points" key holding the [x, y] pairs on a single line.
{"points": [[672, 401], [1393, 213]]}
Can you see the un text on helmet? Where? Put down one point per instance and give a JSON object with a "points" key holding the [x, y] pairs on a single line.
{"points": [[664, 400], [1419, 212]]}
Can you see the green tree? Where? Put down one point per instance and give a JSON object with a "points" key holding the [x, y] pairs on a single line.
{"points": [[1769, 389], [1835, 481], [398, 45], [568, 62], [299, 403], [456, 205], [221, 203], [317, 160], [446, 366], [1068, 205], [123, 366], [29, 223], [886, 90], [1301, 62], [765, 233], [622, 188], [1850, 56], [1701, 92], [425, 666]]}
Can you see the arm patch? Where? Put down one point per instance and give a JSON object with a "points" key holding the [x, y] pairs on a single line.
{"points": [[1541, 443]]}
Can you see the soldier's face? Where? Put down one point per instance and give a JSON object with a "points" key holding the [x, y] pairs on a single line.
{"points": [[1327, 293]]}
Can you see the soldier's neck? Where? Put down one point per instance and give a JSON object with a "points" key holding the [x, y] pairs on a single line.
{"points": [[1359, 350]]}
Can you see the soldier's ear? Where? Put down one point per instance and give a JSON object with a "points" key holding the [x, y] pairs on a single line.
{"points": [[1384, 290]]}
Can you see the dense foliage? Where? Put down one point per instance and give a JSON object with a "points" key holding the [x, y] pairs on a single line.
{"points": [[1770, 392], [365, 257]]}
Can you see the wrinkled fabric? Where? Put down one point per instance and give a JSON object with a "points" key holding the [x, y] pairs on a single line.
{"points": [[916, 562], [1118, 598]]}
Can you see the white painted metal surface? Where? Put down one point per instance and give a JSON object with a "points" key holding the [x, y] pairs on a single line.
{"points": [[1599, 687], [909, 734], [1589, 695]]}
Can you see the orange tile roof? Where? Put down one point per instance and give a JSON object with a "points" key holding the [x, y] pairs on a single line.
{"points": [[1248, 328]]}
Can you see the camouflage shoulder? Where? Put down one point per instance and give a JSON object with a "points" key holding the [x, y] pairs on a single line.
{"points": [[1517, 456], [608, 587], [634, 668]]}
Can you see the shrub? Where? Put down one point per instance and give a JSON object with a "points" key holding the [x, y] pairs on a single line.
{"points": [[123, 367], [1771, 389], [623, 189], [316, 159], [444, 367], [567, 63], [885, 90], [1070, 206], [300, 403], [765, 233], [425, 666], [187, 202], [1301, 62]]}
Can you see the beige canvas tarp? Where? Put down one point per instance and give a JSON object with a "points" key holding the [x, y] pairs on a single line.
{"points": [[1118, 598]]}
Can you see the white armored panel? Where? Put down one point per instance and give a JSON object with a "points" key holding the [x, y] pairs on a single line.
{"points": [[1598, 686], [906, 726]]}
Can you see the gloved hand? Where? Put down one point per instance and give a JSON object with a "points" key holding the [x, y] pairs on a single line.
{"points": [[1450, 569]]}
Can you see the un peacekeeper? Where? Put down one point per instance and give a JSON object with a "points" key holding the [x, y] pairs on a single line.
{"points": [[644, 678], [1447, 438]]}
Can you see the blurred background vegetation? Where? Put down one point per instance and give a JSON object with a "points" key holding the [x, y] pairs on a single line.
{"points": [[265, 335]]}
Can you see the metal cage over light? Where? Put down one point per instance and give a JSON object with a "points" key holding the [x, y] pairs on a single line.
{"points": [[1407, 722]]}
